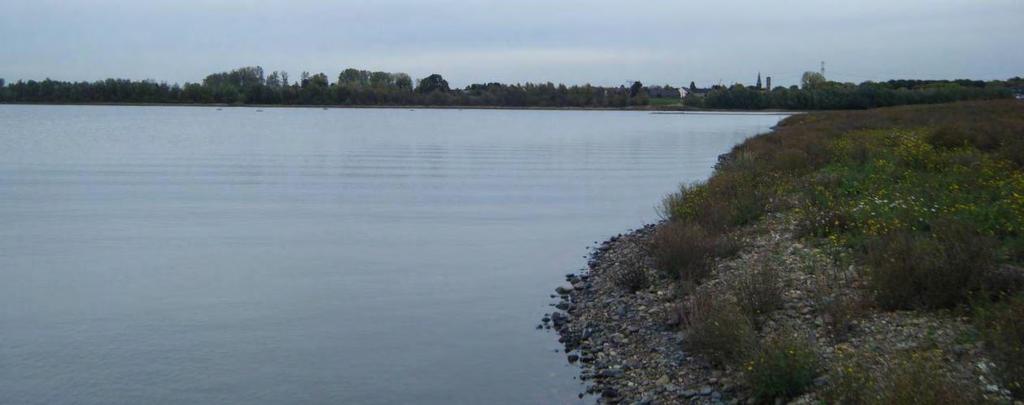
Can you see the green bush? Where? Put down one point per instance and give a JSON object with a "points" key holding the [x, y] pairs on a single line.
{"points": [[732, 197], [716, 328], [735, 198], [686, 204], [783, 367], [936, 270]]}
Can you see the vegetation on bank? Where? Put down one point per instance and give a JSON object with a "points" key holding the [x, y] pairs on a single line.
{"points": [[815, 93], [926, 202], [251, 85]]}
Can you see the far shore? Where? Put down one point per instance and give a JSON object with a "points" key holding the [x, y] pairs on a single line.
{"points": [[654, 109]]}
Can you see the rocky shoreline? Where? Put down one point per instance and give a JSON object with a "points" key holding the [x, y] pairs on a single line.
{"points": [[631, 349], [627, 344]]}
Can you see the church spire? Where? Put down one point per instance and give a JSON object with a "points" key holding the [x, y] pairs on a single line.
{"points": [[759, 80]]}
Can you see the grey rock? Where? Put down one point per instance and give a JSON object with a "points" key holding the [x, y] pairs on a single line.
{"points": [[611, 373]]}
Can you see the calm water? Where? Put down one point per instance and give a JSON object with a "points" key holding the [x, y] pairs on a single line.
{"points": [[190, 255]]}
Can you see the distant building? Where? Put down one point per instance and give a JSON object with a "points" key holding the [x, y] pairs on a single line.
{"points": [[697, 92]]}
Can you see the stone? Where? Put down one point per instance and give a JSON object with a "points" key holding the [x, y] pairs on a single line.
{"points": [[611, 373]]}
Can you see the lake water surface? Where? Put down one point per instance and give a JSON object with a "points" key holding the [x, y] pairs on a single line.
{"points": [[195, 255]]}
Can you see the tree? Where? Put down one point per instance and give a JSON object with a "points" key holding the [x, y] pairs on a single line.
{"points": [[635, 89], [381, 80], [693, 87], [812, 80], [318, 80], [354, 78], [274, 80], [403, 81], [433, 83]]}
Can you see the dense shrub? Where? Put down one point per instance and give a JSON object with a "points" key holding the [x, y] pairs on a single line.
{"points": [[733, 197], [683, 250], [717, 328], [936, 270], [1002, 327], [783, 367], [736, 198]]}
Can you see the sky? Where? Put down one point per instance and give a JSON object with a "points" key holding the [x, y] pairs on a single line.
{"points": [[602, 42]]}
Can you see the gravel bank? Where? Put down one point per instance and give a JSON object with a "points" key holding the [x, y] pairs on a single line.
{"points": [[631, 349]]}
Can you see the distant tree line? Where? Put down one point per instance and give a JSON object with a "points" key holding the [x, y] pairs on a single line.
{"points": [[250, 85], [816, 93]]}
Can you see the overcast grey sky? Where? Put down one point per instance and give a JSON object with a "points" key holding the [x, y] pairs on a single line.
{"points": [[573, 41]]}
